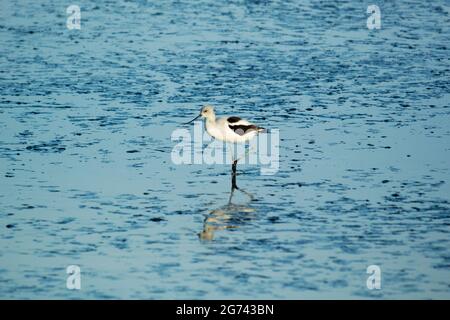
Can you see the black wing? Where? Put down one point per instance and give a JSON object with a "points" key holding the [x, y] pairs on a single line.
{"points": [[233, 119], [241, 129]]}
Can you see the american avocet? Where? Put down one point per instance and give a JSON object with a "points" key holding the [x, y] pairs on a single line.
{"points": [[228, 129]]}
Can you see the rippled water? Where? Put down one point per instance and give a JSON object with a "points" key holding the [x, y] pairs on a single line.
{"points": [[87, 179]]}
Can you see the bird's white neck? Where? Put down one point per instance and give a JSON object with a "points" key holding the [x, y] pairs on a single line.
{"points": [[211, 118]]}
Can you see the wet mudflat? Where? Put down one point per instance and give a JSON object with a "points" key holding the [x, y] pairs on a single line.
{"points": [[87, 178]]}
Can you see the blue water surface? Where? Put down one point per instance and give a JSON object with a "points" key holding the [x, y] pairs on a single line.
{"points": [[86, 176]]}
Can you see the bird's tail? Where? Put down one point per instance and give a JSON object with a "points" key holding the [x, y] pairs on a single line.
{"points": [[260, 129]]}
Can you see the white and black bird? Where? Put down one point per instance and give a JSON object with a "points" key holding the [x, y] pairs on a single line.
{"points": [[228, 129]]}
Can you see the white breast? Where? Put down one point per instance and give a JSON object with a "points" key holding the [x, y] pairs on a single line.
{"points": [[215, 130]]}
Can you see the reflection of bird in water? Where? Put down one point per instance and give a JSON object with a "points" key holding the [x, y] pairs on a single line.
{"points": [[228, 216], [228, 129]]}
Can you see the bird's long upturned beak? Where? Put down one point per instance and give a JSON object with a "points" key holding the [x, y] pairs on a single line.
{"points": [[193, 119]]}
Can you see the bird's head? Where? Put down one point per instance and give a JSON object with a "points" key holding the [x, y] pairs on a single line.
{"points": [[206, 112]]}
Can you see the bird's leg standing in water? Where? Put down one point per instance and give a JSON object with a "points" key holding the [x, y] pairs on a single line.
{"points": [[233, 169], [233, 176], [233, 180]]}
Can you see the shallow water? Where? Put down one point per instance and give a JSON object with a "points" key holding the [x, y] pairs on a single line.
{"points": [[87, 179]]}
